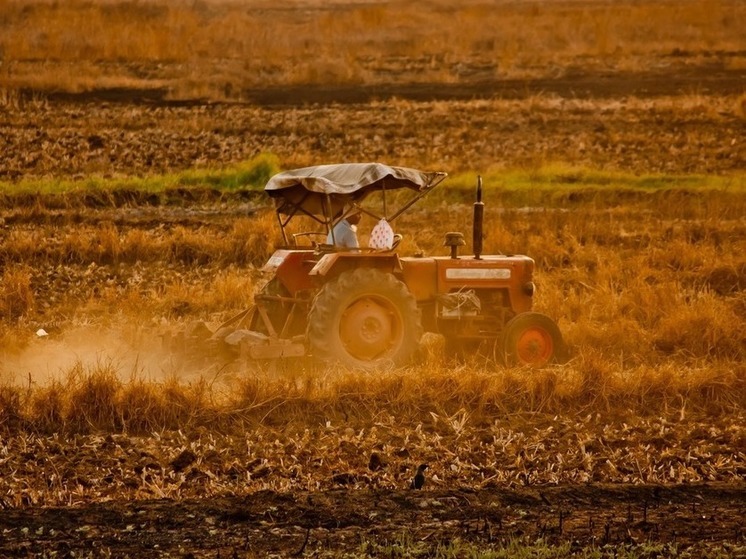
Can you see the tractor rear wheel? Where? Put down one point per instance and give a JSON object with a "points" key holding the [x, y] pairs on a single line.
{"points": [[533, 340], [365, 318]]}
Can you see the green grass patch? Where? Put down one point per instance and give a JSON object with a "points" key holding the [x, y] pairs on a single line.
{"points": [[248, 175], [556, 176], [549, 186], [554, 184], [252, 175]]}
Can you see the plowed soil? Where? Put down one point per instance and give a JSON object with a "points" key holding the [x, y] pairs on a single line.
{"points": [[314, 523], [644, 123]]}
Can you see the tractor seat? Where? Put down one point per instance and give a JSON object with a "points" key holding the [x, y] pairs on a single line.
{"points": [[314, 238]]}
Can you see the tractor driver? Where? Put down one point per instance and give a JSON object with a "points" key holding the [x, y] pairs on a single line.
{"points": [[345, 232]]}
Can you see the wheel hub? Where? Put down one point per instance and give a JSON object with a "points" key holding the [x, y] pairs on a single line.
{"points": [[369, 328], [534, 347]]}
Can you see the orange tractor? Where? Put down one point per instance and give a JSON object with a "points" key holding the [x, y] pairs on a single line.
{"points": [[369, 307]]}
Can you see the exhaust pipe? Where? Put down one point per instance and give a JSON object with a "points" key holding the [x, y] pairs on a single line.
{"points": [[478, 221]]}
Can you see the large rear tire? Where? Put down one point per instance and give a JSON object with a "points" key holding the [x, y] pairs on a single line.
{"points": [[532, 339], [365, 319]]}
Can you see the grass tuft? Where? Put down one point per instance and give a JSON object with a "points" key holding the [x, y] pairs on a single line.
{"points": [[92, 405], [16, 293]]}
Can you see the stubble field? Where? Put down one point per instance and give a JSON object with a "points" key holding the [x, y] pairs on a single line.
{"points": [[132, 206]]}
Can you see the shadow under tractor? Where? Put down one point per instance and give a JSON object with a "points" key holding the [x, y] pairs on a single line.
{"points": [[368, 308]]}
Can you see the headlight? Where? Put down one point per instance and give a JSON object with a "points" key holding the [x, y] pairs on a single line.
{"points": [[528, 288]]}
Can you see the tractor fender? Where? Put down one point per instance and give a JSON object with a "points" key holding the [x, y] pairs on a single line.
{"points": [[335, 263]]}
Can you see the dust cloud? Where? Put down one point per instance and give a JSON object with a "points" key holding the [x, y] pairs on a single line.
{"points": [[129, 351]]}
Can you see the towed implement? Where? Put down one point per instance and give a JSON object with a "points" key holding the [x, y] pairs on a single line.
{"points": [[369, 307]]}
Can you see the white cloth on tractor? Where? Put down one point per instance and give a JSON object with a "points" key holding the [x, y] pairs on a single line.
{"points": [[345, 235], [382, 236]]}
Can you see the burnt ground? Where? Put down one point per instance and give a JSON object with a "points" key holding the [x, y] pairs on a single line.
{"points": [[700, 80], [342, 520]]}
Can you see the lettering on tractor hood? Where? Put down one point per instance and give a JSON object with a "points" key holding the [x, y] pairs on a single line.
{"points": [[478, 273]]}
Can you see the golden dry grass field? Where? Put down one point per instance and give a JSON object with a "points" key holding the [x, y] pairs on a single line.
{"points": [[135, 138]]}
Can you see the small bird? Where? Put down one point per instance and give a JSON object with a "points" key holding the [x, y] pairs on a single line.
{"points": [[344, 478], [419, 477], [183, 460], [375, 462]]}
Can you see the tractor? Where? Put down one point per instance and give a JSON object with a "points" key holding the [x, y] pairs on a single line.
{"points": [[368, 308]]}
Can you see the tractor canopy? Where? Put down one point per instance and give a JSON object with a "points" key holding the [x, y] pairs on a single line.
{"points": [[327, 193]]}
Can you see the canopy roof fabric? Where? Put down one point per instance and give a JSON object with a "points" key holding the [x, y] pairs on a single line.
{"points": [[348, 178], [307, 189]]}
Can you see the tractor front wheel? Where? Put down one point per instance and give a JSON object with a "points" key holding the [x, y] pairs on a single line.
{"points": [[365, 318], [533, 340]]}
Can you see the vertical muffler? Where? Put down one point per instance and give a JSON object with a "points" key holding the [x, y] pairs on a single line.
{"points": [[478, 221]]}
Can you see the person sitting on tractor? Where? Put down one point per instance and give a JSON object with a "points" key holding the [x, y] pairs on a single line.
{"points": [[345, 231]]}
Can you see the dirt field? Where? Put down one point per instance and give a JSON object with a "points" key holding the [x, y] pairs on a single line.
{"points": [[653, 123], [271, 492], [341, 521], [639, 441]]}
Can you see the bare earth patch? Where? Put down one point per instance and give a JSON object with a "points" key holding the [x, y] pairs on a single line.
{"points": [[284, 524]]}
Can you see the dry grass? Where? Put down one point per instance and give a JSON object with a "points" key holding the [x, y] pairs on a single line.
{"points": [[95, 399], [217, 49], [16, 294], [649, 296], [286, 435], [107, 243]]}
